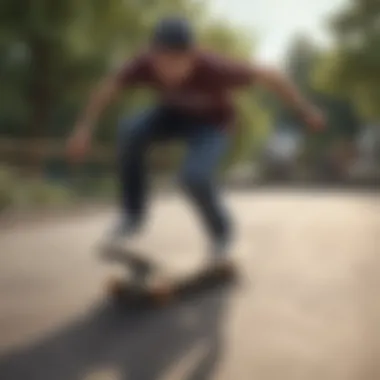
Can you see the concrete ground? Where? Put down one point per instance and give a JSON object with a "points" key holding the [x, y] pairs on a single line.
{"points": [[307, 308]]}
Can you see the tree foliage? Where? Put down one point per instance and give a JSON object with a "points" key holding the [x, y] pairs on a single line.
{"points": [[353, 68], [52, 53]]}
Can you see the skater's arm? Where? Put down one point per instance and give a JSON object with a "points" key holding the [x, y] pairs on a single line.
{"points": [[79, 143], [102, 96], [109, 89], [284, 88]]}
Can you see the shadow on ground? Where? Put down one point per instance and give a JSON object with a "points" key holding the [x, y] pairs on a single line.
{"points": [[137, 345]]}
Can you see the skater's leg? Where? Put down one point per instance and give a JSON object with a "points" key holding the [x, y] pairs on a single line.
{"points": [[207, 148], [134, 138]]}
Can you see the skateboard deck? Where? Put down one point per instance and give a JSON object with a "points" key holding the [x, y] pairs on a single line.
{"points": [[149, 286]]}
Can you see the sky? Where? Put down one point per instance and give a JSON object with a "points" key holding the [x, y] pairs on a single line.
{"points": [[275, 22]]}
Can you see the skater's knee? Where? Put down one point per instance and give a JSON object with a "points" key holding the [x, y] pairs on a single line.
{"points": [[131, 139], [194, 181]]}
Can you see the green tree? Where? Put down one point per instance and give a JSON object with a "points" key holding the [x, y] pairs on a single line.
{"points": [[353, 68], [51, 52]]}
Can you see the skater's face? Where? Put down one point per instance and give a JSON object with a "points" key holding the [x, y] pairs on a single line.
{"points": [[173, 67]]}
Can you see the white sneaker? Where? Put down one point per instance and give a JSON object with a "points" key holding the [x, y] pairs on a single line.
{"points": [[219, 257], [220, 249], [118, 237]]}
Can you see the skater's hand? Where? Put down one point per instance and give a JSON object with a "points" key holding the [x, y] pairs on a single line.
{"points": [[79, 144], [314, 118]]}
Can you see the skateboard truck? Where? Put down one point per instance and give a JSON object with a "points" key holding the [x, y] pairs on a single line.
{"points": [[139, 267]]}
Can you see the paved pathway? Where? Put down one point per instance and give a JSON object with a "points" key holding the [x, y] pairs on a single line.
{"points": [[308, 308]]}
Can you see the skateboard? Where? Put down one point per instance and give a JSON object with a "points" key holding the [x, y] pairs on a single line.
{"points": [[147, 284]]}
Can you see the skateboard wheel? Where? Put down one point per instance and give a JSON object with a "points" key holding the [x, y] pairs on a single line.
{"points": [[115, 287], [162, 294], [226, 271]]}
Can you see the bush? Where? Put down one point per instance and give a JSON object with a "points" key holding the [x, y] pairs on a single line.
{"points": [[7, 188], [107, 188], [20, 192], [40, 193]]}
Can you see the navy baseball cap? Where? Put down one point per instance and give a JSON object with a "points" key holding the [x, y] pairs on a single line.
{"points": [[173, 33]]}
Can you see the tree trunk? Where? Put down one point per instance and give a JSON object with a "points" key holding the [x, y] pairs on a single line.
{"points": [[40, 99]]}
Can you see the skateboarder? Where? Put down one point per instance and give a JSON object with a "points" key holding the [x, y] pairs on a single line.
{"points": [[194, 88]]}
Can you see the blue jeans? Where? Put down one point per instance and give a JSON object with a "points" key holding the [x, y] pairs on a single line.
{"points": [[206, 147]]}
